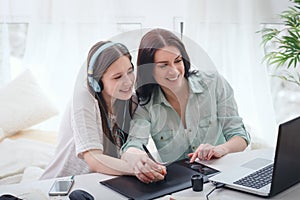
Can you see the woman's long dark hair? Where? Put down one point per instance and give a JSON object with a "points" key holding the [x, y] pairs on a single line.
{"points": [[124, 109], [150, 43]]}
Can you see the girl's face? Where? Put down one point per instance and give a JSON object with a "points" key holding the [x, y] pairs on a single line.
{"points": [[118, 80], [169, 68]]}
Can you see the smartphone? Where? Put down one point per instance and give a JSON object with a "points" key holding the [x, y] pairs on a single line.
{"points": [[61, 187]]}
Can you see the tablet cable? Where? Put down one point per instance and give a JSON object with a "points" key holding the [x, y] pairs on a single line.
{"points": [[217, 186]]}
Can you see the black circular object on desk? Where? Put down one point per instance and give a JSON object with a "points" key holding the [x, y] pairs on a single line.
{"points": [[80, 195], [197, 182]]}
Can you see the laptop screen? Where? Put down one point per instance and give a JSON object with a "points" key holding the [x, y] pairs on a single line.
{"points": [[287, 162]]}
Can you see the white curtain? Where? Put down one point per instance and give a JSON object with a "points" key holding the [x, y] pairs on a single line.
{"points": [[4, 55], [5, 75], [60, 33], [226, 30]]}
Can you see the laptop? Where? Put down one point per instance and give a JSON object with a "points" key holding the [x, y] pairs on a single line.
{"points": [[267, 177]]}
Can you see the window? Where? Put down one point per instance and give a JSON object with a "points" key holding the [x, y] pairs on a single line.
{"points": [[12, 49], [286, 95]]}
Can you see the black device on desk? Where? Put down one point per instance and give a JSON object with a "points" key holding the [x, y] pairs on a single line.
{"points": [[206, 171], [80, 195], [178, 178]]}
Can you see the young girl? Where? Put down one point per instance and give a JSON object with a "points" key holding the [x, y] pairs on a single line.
{"points": [[96, 123]]}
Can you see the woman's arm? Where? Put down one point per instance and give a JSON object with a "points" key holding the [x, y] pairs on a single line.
{"points": [[207, 151], [98, 162], [235, 144], [227, 112]]}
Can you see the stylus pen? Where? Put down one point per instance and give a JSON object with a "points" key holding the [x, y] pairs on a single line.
{"points": [[163, 172], [152, 158], [148, 153]]}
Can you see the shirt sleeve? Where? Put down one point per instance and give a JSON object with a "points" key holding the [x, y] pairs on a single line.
{"points": [[85, 117], [227, 111], [139, 132]]}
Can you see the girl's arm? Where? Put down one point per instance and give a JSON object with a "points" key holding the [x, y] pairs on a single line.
{"points": [[98, 162]]}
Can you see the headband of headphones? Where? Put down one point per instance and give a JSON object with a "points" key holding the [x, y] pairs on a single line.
{"points": [[93, 83]]}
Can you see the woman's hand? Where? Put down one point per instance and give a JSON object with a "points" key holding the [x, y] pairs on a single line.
{"points": [[148, 171], [145, 169], [207, 151]]}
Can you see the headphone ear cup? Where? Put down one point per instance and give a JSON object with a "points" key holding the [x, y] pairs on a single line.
{"points": [[100, 85], [94, 84]]}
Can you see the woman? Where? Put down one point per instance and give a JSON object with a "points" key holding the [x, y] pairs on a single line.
{"points": [[187, 113], [96, 123]]}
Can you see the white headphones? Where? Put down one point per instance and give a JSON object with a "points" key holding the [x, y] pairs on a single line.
{"points": [[94, 83]]}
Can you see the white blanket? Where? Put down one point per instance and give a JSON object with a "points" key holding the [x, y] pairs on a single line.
{"points": [[18, 155]]}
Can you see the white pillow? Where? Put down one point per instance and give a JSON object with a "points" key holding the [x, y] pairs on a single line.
{"points": [[23, 104]]}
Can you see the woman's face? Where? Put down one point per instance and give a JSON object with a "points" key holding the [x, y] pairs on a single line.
{"points": [[169, 68], [118, 80]]}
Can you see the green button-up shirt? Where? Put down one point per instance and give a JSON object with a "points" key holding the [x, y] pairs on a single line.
{"points": [[211, 117]]}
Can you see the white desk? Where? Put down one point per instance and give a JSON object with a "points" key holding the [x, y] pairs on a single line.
{"points": [[90, 183]]}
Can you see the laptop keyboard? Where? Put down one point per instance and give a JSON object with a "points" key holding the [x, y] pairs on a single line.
{"points": [[257, 179]]}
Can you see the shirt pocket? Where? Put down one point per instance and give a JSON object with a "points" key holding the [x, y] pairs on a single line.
{"points": [[205, 122], [202, 131], [164, 138]]}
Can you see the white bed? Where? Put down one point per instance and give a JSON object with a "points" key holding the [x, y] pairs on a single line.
{"points": [[24, 156], [24, 152]]}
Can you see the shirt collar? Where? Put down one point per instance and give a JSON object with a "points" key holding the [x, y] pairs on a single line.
{"points": [[196, 83], [161, 97]]}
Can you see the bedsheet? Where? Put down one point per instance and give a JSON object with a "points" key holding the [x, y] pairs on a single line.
{"points": [[24, 156]]}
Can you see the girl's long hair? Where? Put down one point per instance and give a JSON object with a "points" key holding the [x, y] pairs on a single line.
{"points": [[115, 133]]}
